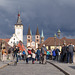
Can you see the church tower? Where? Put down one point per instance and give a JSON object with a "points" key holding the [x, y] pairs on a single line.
{"points": [[29, 38], [37, 38], [19, 28], [42, 37]]}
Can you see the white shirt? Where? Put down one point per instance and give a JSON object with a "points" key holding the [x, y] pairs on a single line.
{"points": [[33, 55]]}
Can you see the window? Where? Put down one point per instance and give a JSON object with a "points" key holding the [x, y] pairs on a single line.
{"points": [[28, 36], [37, 36], [37, 40], [14, 39], [28, 40]]}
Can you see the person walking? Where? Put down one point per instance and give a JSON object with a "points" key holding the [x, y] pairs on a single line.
{"points": [[15, 51], [29, 54], [54, 54], [33, 57], [24, 55], [70, 53], [10, 52], [38, 54], [4, 53], [43, 52], [27, 58], [57, 53], [48, 55]]}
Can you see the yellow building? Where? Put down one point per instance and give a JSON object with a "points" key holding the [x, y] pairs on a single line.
{"points": [[51, 43]]}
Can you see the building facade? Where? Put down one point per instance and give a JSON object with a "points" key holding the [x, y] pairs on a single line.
{"points": [[51, 43], [30, 42], [18, 35], [19, 28]]}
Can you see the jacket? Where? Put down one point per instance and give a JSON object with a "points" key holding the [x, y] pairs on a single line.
{"points": [[53, 53], [38, 52], [70, 48], [42, 50], [57, 52], [64, 50]]}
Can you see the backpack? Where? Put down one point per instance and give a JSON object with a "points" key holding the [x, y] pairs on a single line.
{"points": [[24, 52], [56, 51], [9, 51], [29, 52]]}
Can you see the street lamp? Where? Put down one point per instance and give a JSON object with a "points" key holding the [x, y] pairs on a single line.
{"points": [[59, 35], [55, 39]]}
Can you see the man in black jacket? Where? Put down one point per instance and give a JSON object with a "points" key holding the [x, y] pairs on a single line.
{"points": [[15, 51], [64, 52]]}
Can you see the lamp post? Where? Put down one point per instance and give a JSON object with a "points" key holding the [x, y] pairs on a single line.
{"points": [[55, 39], [59, 36]]}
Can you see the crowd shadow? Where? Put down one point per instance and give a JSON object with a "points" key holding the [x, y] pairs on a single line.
{"points": [[73, 67]]}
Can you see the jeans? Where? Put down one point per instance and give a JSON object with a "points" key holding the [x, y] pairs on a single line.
{"points": [[16, 56], [69, 55], [27, 59], [54, 57], [33, 59], [43, 59], [38, 57], [57, 57], [47, 56], [64, 57]]}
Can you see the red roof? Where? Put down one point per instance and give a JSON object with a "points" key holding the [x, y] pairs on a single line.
{"points": [[7, 40], [51, 42]]}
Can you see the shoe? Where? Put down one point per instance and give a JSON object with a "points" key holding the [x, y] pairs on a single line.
{"points": [[39, 62]]}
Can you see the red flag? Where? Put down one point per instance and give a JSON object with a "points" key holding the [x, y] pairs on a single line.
{"points": [[23, 47]]}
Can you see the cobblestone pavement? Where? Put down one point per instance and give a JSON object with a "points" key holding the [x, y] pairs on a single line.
{"points": [[4, 63], [30, 69], [67, 67]]}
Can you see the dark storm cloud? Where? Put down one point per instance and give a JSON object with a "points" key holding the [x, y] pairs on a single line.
{"points": [[50, 15]]}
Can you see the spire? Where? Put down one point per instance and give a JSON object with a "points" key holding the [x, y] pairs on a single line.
{"points": [[37, 31], [29, 31], [19, 20], [42, 34]]}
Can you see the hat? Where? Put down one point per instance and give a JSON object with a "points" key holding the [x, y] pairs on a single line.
{"points": [[43, 44]]}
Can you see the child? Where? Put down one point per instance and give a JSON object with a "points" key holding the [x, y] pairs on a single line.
{"points": [[33, 57]]}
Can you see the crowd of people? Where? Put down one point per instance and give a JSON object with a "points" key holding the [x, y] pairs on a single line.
{"points": [[26, 55], [41, 55], [65, 55]]}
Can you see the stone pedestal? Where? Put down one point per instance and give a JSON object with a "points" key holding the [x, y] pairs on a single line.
{"points": [[74, 57]]}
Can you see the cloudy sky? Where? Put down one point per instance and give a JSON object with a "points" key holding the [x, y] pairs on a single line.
{"points": [[50, 15]]}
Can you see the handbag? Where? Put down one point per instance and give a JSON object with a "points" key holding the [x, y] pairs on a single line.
{"points": [[44, 52]]}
